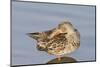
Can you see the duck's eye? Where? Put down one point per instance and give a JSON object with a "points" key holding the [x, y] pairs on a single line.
{"points": [[75, 29]]}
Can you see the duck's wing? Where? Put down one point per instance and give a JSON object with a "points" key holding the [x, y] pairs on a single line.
{"points": [[54, 32], [57, 43]]}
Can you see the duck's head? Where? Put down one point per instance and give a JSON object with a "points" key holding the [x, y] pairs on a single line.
{"points": [[66, 27]]}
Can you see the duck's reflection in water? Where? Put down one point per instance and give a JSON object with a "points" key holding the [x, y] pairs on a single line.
{"points": [[63, 60]]}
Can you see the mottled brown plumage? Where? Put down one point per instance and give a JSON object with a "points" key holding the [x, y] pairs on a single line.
{"points": [[61, 40]]}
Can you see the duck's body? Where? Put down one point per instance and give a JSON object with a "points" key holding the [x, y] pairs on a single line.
{"points": [[61, 40]]}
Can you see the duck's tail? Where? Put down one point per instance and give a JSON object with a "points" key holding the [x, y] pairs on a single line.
{"points": [[34, 35]]}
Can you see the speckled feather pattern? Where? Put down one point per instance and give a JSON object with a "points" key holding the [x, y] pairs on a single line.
{"points": [[61, 40]]}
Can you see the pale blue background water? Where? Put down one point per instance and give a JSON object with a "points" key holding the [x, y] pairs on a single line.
{"points": [[32, 17]]}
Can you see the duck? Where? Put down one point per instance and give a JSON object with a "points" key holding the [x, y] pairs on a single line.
{"points": [[59, 41]]}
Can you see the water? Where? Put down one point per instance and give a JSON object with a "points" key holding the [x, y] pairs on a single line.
{"points": [[33, 17]]}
